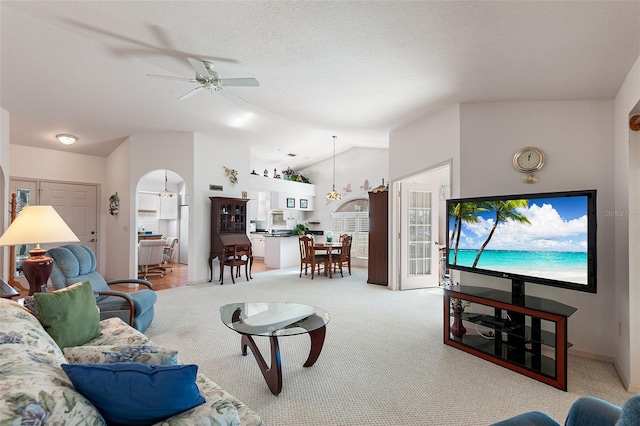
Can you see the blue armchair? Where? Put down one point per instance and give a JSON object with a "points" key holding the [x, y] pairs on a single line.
{"points": [[77, 263], [586, 411]]}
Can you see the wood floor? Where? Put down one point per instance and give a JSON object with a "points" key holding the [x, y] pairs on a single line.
{"points": [[176, 276]]}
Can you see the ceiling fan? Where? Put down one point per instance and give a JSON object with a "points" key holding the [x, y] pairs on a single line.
{"points": [[210, 79]]}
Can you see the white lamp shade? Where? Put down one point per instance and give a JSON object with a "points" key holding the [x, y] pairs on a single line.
{"points": [[37, 225]]}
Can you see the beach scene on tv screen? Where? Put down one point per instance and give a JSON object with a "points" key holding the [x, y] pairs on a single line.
{"points": [[541, 237]]}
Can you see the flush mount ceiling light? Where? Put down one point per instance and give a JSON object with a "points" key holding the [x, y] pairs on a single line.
{"points": [[334, 195], [66, 139], [165, 193]]}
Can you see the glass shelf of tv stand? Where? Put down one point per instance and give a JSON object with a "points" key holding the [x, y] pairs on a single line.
{"points": [[528, 337], [505, 339], [504, 325]]}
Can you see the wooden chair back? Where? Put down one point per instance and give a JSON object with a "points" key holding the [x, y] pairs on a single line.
{"points": [[307, 252]]}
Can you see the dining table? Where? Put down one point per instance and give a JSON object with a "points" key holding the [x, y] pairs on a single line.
{"points": [[330, 249]]}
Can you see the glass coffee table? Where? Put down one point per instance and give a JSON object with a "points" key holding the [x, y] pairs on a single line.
{"points": [[272, 320]]}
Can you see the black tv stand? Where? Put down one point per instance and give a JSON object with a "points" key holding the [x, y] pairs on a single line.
{"points": [[517, 292], [529, 334]]}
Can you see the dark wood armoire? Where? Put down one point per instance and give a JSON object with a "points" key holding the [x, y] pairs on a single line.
{"points": [[378, 238], [228, 226]]}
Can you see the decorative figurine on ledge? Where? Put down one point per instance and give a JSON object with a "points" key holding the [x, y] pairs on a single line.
{"points": [[265, 173], [275, 174]]}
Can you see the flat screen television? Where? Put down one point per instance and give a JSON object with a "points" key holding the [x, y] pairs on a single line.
{"points": [[543, 238]]}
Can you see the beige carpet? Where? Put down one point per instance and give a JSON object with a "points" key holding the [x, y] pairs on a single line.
{"points": [[383, 362]]}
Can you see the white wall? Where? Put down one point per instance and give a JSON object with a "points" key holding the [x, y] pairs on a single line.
{"points": [[425, 143], [577, 138], [481, 140], [169, 150], [47, 164], [353, 168], [210, 158], [4, 184], [120, 226], [626, 309]]}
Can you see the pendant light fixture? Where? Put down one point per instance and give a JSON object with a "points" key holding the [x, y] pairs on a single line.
{"points": [[334, 195], [165, 193]]}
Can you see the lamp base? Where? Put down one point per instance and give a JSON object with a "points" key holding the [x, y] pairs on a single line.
{"points": [[37, 269]]}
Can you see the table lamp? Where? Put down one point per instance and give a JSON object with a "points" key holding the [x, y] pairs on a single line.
{"points": [[37, 225]]}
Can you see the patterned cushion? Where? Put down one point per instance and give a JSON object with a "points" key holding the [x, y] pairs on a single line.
{"points": [[33, 387], [35, 390], [220, 408], [145, 354], [117, 332]]}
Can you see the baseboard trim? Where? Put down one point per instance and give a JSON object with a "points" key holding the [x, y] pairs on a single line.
{"points": [[630, 387]]}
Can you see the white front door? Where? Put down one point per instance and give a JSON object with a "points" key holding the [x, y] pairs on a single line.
{"points": [[418, 237], [77, 205]]}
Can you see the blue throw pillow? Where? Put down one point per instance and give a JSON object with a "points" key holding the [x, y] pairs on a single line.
{"points": [[131, 393]]}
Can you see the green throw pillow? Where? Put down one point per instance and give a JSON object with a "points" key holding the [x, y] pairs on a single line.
{"points": [[70, 316]]}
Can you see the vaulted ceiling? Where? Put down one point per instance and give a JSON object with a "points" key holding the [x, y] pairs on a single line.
{"points": [[355, 69]]}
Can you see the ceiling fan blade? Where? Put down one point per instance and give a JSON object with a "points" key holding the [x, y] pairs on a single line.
{"points": [[191, 93], [233, 97], [240, 82], [167, 77], [199, 67]]}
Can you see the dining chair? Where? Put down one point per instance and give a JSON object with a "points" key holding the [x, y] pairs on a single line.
{"points": [[308, 257], [150, 258], [169, 249], [344, 257], [236, 256], [167, 253]]}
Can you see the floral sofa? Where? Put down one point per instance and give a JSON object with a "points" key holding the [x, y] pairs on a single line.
{"points": [[34, 389]]}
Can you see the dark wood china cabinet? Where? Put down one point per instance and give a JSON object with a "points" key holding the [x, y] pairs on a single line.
{"points": [[228, 226]]}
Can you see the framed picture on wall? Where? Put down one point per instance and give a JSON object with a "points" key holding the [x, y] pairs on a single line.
{"points": [[303, 203], [291, 203]]}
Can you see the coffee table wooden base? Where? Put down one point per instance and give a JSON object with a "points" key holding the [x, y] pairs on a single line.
{"points": [[273, 373]]}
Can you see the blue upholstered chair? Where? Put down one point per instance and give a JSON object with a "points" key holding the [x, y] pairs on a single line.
{"points": [[77, 263], [586, 411]]}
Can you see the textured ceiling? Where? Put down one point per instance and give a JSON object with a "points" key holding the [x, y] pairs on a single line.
{"points": [[355, 69]]}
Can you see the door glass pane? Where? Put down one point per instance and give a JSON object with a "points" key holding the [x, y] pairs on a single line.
{"points": [[23, 199], [419, 238]]}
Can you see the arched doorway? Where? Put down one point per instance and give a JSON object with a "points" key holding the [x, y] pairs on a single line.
{"points": [[162, 211], [352, 217]]}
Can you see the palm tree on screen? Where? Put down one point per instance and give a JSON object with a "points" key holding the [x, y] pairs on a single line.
{"points": [[505, 210], [462, 212]]}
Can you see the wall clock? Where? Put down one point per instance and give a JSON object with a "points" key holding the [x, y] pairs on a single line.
{"points": [[528, 159]]}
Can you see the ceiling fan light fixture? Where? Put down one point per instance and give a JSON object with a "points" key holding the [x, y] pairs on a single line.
{"points": [[165, 193], [66, 139], [334, 195]]}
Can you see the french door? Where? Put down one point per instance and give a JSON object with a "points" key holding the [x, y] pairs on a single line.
{"points": [[419, 255]]}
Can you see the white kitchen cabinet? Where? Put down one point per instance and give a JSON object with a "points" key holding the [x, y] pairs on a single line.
{"points": [[168, 207], [258, 205], [281, 252], [147, 203], [257, 245], [290, 201]]}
